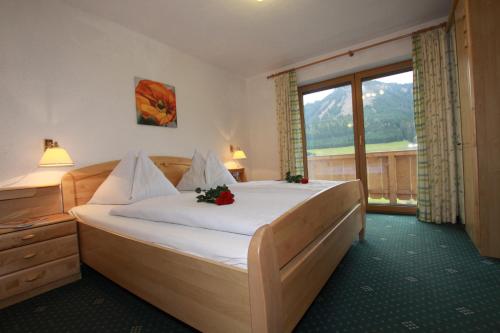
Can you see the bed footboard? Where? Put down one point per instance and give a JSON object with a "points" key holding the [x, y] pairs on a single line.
{"points": [[290, 260], [209, 296]]}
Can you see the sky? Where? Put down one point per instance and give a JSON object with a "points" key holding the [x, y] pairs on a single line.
{"points": [[406, 77]]}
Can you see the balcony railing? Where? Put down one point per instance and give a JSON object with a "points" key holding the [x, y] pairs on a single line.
{"points": [[392, 175]]}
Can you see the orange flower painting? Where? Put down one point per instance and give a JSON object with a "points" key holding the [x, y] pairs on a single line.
{"points": [[155, 103]]}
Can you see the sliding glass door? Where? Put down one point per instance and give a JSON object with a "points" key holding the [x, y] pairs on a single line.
{"points": [[362, 126], [390, 143], [328, 114]]}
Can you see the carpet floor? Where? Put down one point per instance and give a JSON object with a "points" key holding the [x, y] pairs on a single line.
{"points": [[406, 276]]}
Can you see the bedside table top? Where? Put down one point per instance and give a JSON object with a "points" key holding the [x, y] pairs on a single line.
{"points": [[33, 222]]}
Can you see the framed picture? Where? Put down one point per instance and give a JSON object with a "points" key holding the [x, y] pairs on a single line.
{"points": [[155, 103]]}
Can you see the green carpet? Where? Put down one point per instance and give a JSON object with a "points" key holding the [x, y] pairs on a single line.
{"points": [[406, 276]]}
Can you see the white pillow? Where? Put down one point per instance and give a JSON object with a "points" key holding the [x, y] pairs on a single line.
{"points": [[117, 188], [216, 173], [195, 176], [149, 181]]}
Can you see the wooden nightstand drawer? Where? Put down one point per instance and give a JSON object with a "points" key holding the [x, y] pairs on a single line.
{"points": [[34, 235], [38, 243], [35, 254], [37, 276]]}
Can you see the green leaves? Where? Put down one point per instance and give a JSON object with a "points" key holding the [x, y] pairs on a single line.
{"points": [[293, 179], [212, 194]]}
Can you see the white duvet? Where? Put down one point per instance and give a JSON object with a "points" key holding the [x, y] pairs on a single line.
{"points": [[256, 204]]}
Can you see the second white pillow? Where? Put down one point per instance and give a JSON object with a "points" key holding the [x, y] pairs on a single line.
{"points": [[195, 176], [216, 173]]}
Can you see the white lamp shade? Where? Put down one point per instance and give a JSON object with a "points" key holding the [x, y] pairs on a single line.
{"points": [[239, 155], [55, 157]]}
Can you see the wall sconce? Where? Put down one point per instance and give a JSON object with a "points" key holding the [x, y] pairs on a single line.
{"points": [[237, 153], [54, 156]]}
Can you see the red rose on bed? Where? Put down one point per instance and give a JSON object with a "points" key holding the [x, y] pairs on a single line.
{"points": [[304, 180], [155, 103], [225, 198]]}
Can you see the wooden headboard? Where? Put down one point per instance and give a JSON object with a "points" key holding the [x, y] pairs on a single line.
{"points": [[79, 185]]}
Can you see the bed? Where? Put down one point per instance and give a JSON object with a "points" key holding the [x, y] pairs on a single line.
{"points": [[287, 261]]}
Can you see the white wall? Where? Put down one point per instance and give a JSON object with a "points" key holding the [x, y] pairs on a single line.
{"points": [[263, 149], [68, 75]]}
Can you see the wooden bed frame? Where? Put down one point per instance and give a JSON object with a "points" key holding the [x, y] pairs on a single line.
{"points": [[289, 260]]}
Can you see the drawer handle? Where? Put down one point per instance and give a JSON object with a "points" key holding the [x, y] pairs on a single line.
{"points": [[29, 255], [30, 236], [34, 278]]}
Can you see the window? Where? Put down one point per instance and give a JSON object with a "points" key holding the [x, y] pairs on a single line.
{"points": [[362, 126]]}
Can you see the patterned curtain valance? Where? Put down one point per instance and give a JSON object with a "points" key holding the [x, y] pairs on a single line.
{"points": [[289, 124]]}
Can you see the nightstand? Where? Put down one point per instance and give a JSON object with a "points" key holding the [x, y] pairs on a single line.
{"points": [[239, 174], [37, 254]]}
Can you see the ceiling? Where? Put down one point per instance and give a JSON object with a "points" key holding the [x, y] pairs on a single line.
{"points": [[248, 37]]}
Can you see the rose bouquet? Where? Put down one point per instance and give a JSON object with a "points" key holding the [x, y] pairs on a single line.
{"points": [[221, 195], [296, 179]]}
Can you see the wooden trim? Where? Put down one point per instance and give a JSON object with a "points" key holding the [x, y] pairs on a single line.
{"points": [[401, 209], [323, 85], [482, 171], [303, 130], [351, 53], [451, 16], [26, 187], [364, 203], [327, 84], [360, 140], [264, 282], [377, 72]]}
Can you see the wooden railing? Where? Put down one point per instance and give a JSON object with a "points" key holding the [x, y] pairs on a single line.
{"points": [[391, 174]]}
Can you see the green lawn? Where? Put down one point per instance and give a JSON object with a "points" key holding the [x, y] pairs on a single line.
{"points": [[370, 148]]}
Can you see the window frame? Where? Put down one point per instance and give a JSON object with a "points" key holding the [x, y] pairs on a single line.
{"points": [[355, 80]]}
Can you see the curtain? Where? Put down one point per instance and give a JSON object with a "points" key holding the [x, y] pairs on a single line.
{"points": [[437, 122], [289, 124], [457, 123]]}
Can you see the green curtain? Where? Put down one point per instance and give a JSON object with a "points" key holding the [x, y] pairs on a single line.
{"points": [[437, 122], [289, 124]]}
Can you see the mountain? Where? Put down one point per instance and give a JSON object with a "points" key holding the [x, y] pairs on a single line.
{"points": [[388, 116]]}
